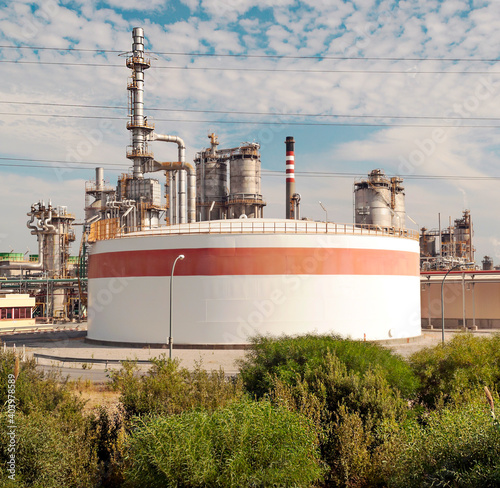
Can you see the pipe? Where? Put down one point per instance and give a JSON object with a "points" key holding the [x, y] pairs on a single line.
{"points": [[290, 178], [46, 225], [29, 224], [191, 184], [173, 175], [29, 266], [191, 172]]}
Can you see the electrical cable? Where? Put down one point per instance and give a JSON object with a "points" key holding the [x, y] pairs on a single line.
{"points": [[257, 56], [264, 70], [242, 112], [254, 122], [315, 174]]}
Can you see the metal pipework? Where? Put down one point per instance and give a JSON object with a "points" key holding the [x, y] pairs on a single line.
{"points": [[290, 178], [191, 186], [191, 189]]}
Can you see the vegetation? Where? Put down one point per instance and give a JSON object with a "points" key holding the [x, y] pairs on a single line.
{"points": [[465, 362], [288, 358], [168, 389], [245, 444], [308, 411], [455, 446]]}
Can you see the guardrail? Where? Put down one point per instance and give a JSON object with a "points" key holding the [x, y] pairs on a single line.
{"points": [[104, 230]]}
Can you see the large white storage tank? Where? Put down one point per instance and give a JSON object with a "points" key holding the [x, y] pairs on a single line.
{"points": [[240, 278]]}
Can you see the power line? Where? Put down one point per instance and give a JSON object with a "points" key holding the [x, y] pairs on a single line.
{"points": [[242, 112], [254, 122], [257, 56], [263, 70], [316, 174]]}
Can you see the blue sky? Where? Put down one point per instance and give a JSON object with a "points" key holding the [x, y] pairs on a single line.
{"points": [[415, 39]]}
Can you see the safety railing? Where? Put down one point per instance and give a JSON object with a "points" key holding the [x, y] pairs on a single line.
{"points": [[107, 230]]}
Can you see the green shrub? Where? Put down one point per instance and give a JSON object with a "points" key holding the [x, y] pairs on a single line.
{"points": [[355, 415], [169, 389], [447, 371], [292, 357], [458, 446], [245, 444], [109, 433], [35, 390], [50, 451], [352, 391]]}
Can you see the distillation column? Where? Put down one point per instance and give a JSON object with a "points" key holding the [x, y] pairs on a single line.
{"points": [[138, 151]]}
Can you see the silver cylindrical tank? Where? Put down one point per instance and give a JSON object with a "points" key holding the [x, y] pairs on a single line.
{"points": [[99, 179], [245, 196], [372, 200], [211, 186]]}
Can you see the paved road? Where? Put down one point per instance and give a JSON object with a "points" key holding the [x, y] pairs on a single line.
{"points": [[68, 353]]}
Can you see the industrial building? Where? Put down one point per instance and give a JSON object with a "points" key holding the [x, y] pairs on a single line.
{"points": [[470, 299], [442, 249], [380, 201], [242, 274], [16, 311], [51, 276]]}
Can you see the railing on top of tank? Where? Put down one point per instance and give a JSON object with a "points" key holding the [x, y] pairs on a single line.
{"points": [[104, 230]]}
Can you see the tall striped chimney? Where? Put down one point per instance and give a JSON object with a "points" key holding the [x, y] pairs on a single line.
{"points": [[290, 177]]}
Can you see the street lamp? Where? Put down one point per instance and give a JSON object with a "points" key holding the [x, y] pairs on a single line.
{"points": [[416, 223], [326, 211], [210, 210], [442, 298], [170, 341]]}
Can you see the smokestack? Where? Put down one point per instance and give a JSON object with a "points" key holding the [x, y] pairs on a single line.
{"points": [[290, 177]]}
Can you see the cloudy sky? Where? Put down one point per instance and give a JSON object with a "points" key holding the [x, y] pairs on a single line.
{"points": [[411, 87]]}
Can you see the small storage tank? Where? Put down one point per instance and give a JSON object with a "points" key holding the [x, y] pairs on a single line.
{"points": [[245, 196], [427, 244], [211, 183], [487, 263], [372, 200]]}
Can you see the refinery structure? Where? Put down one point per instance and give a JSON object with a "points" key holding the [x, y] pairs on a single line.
{"points": [[241, 274]]}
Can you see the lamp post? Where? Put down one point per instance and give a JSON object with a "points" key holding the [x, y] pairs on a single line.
{"points": [[416, 223], [170, 341], [442, 298], [326, 211], [210, 210]]}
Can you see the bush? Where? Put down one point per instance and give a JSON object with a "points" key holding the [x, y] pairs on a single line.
{"points": [[244, 444], [290, 357], [169, 389], [457, 446], [355, 416], [34, 389], [50, 452], [351, 391], [447, 371]]}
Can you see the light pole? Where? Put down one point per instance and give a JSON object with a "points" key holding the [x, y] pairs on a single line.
{"points": [[442, 298], [210, 210], [170, 341], [326, 211], [416, 223]]}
